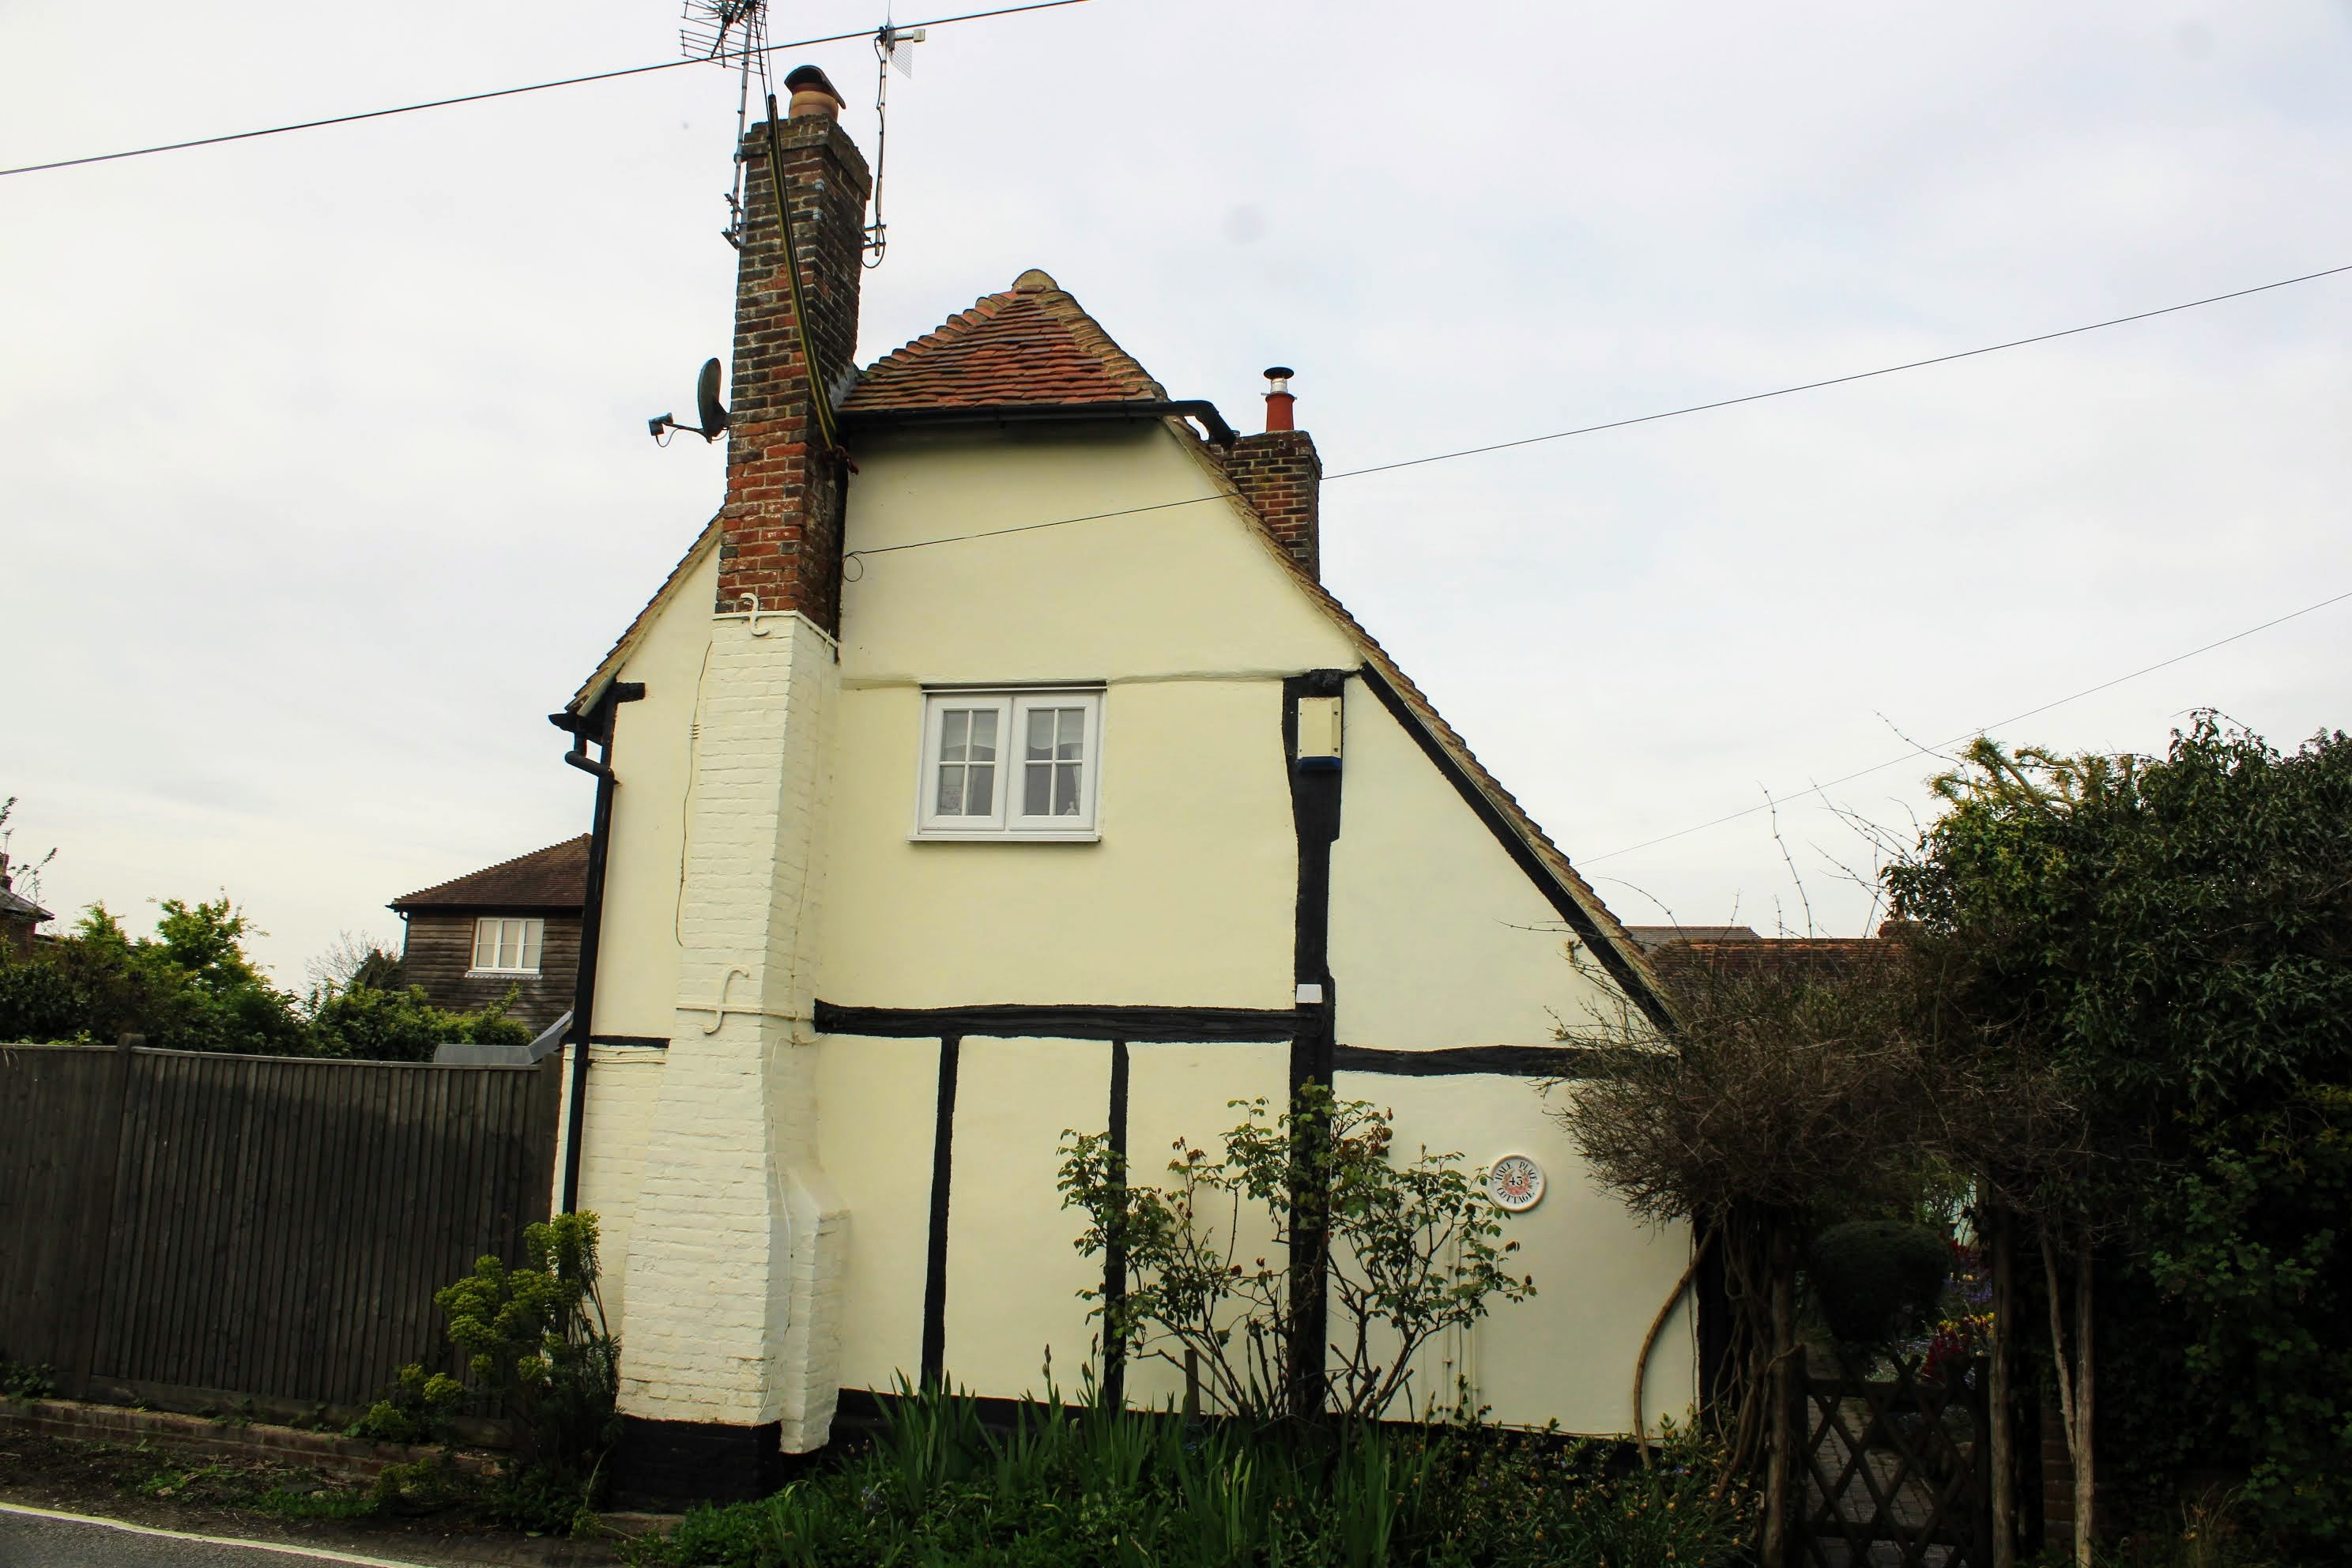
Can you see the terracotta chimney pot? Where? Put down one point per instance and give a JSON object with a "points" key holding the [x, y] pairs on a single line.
{"points": [[813, 94], [1278, 400]]}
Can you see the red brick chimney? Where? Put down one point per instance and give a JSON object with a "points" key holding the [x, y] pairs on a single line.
{"points": [[1280, 476], [781, 529]]}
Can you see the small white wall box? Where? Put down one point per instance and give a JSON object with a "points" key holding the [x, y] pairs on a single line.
{"points": [[1319, 732]]}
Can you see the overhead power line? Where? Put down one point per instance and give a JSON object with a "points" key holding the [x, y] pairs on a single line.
{"points": [[1646, 419], [1941, 746], [1842, 380], [513, 91]]}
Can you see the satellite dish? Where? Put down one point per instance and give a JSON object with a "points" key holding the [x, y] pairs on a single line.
{"points": [[706, 401], [712, 412]]}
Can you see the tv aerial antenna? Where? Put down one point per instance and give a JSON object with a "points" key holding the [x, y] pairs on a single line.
{"points": [[737, 30], [893, 47]]}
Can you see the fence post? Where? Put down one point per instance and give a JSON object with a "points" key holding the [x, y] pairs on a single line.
{"points": [[1783, 1390], [2000, 1436], [99, 1221]]}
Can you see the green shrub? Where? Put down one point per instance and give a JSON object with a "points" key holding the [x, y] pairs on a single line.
{"points": [[19, 1380], [1877, 1279], [1412, 1247], [414, 1409], [1101, 1485], [192, 987], [541, 1352]]}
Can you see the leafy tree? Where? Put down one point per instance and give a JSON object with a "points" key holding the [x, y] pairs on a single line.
{"points": [[2148, 966], [193, 987], [1787, 1098]]}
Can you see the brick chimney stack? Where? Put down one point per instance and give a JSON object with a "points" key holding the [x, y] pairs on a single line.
{"points": [[781, 526], [1280, 476]]}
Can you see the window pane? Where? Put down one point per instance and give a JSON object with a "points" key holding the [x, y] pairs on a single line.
{"points": [[953, 727], [532, 932], [1073, 731], [1066, 789], [951, 789], [1041, 734], [509, 943], [1035, 785], [978, 788], [486, 944], [983, 734]]}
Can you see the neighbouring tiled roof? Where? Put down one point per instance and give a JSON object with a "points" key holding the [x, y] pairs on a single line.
{"points": [[1653, 936], [1686, 963], [16, 906], [1030, 344], [555, 878]]}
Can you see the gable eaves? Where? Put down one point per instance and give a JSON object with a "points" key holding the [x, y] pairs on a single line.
{"points": [[1542, 861], [609, 669]]}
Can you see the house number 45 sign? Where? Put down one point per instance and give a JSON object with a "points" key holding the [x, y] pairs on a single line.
{"points": [[1516, 1182]]}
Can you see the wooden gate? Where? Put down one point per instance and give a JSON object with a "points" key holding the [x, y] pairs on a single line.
{"points": [[1894, 1469]]}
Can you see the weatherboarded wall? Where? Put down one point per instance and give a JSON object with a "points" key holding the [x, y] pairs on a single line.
{"points": [[257, 1226]]}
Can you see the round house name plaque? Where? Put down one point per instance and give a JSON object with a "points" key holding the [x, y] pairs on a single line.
{"points": [[1516, 1182]]}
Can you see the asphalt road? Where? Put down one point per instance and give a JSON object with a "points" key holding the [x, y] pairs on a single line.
{"points": [[30, 1539]]}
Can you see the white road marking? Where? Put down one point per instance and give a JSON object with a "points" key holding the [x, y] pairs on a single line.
{"points": [[316, 1553]]}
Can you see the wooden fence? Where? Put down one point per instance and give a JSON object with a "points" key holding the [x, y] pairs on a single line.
{"points": [[268, 1227]]}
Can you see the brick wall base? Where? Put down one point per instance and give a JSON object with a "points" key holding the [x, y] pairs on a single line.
{"points": [[681, 1462]]}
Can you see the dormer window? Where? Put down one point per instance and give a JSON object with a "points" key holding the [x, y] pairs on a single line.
{"points": [[1010, 764]]}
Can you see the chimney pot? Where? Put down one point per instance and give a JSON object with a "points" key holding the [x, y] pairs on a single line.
{"points": [[1278, 400], [813, 94]]}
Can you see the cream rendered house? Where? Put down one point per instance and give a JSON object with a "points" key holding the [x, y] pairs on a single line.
{"points": [[926, 831]]}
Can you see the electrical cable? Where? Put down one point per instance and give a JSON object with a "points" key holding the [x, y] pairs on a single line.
{"points": [[1968, 734], [511, 92], [1648, 419]]}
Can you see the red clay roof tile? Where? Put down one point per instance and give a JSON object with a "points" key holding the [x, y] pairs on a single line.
{"points": [[1030, 344]]}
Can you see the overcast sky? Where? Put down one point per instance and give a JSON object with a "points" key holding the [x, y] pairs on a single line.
{"points": [[323, 472]]}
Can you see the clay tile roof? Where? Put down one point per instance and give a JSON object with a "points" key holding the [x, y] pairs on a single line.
{"points": [[555, 878], [1652, 937], [1686, 964], [16, 906], [1030, 344]]}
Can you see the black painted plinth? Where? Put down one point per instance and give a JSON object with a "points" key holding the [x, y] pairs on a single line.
{"points": [[680, 1462]]}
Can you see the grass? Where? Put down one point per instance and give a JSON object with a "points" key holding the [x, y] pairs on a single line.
{"points": [[255, 1490], [1100, 1485]]}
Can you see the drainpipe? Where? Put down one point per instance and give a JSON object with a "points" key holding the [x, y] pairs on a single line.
{"points": [[600, 720]]}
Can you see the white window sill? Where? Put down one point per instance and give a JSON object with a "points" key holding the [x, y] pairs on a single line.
{"points": [[502, 975], [998, 836]]}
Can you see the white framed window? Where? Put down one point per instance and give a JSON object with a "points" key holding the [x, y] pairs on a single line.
{"points": [[504, 944], [1023, 764]]}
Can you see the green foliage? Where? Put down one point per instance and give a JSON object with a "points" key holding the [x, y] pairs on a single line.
{"points": [[2174, 930], [1104, 1485], [414, 1409], [430, 1485], [20, 1380], [2257, 1267], [2166, 945], [231, 1486], [1877, 1280], [1413, 1249], [402, 1026], [193, 987], [537, 1342]]}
